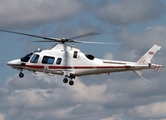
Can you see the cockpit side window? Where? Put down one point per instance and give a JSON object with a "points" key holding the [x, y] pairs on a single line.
{"points": [[26, 58], [59, 60], [75, 54], [48, 60], [90, 57], [35, 58]]}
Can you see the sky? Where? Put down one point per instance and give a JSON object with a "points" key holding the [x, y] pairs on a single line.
{"points": [[119, 96]]}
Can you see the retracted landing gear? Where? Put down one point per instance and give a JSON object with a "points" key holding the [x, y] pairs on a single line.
{"points": [[71, 82], [21, 75]]}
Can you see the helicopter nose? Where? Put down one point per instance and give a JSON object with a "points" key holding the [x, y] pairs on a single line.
{"points": [[14, 62]]}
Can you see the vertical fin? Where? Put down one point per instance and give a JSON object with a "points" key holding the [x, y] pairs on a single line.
{"points": [[146, 58]]}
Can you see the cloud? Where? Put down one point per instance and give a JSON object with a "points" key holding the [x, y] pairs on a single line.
{"points": [[43, 97], [29, 82], [109, 118], [100, 97], [33, 97], [23, 14], [114, 117], [2, 117], [129, 11], [92, 97], [147, 99], [150, 111], [31, 47], [81, 27], [108, 56], [140, 43]]}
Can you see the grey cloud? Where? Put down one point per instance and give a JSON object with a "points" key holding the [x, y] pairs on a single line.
{"points": [[125, 12], [29, 82], [31, 47], [149, 111], [58, 102], [2, 116], [140, 43], [132, 90], [92, 97], [42, 97], [23, 14], [137, 93], [103, 97], [81, 27]]}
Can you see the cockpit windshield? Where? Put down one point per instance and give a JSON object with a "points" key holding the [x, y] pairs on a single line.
{"points": [[26, 58]]}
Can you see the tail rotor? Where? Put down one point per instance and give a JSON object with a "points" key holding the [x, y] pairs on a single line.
{"points": [[157, 68]]}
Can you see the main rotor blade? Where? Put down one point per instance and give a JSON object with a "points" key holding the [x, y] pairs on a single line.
{"points": [[31, 35], [76, 41], [86, 35], [44, 41]]}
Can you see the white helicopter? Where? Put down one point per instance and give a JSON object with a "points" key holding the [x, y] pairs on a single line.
{"points": [[69, 61]]}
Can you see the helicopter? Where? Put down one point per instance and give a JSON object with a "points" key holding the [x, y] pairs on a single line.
{"points": [[69, 61]]}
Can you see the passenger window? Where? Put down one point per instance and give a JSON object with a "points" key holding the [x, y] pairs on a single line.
{"points": [[58, 62], [35, 58], [48, 60], [75, 54]]}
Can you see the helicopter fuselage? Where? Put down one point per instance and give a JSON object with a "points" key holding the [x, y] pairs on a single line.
{"points": [[67, 60], [62, 59]]}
